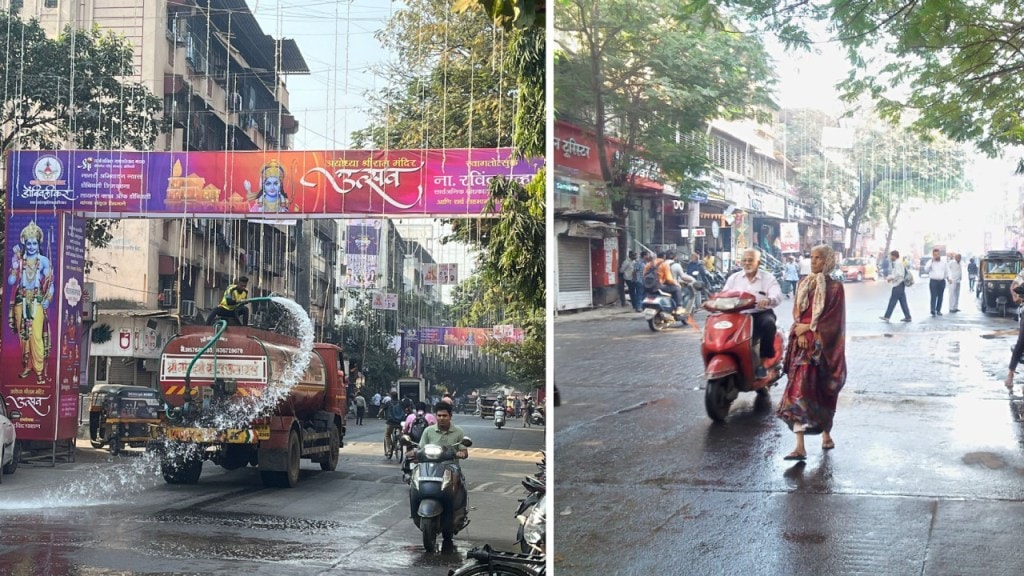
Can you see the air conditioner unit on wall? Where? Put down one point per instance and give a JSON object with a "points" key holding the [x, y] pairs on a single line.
{"points": [[167, 299], [188, 308]]}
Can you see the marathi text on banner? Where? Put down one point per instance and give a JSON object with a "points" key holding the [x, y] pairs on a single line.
{"points": [[328, 183]]}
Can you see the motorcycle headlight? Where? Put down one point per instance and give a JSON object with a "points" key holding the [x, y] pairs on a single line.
{"points": [[433, 451], [446, 479], [536, 525]]}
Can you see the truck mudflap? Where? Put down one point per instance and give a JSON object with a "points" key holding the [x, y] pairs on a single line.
{"points": [[212, 435]]}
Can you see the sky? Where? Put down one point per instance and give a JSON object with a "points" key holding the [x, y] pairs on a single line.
{"points": [[336, 38]]}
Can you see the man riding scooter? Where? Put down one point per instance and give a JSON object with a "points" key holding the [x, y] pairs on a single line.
{"points": [[661, 267], [765, 287]]}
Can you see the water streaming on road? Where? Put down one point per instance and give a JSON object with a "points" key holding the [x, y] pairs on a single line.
{"points": [[132, 474]]}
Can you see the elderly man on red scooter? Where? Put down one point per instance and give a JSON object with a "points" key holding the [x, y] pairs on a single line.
{"points": [[766, 288]]}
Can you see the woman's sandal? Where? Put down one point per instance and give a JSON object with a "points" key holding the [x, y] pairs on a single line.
{"points": [[794, 455]]}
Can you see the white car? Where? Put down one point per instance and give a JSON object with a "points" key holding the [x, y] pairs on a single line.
{"points": [[10, 450]]}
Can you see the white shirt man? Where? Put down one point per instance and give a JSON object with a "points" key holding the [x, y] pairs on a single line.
{"points": [[936, 270], [766, 288], [954, 274], [805, 266]]}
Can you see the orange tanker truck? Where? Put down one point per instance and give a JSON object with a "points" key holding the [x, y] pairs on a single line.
{"points": [[243, 396]]}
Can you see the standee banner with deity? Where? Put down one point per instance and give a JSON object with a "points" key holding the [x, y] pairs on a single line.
{"points": [[329, 184], [42, 329]]}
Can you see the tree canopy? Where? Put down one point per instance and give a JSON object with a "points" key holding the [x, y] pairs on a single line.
{"points": [[947, 65], [649, 73], [75, 89], [882, 168]]}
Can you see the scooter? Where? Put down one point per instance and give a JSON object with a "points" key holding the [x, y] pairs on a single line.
{"points": [[660, 312], [535, 416], [437, 491], [730, 353], [499, 418]]}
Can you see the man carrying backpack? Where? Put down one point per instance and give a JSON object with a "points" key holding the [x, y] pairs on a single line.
{"points": [[418, 421], [658, 276], [898, 278], [415, 424]]}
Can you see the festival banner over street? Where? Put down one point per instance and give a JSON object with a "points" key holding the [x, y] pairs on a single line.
{"points": [[327, 184], [50, 191]]}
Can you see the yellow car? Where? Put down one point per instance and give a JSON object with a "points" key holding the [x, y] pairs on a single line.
{"points": [[858, 269]]}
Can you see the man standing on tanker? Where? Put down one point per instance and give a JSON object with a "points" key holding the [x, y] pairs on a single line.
{"points": [[765, 288], [232, 304]]}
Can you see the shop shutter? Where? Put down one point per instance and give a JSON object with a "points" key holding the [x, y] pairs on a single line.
{"points": [[574, 290]]}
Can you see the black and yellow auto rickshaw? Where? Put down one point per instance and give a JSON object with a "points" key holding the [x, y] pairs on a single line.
{"points": [[996, 272], [120, 416]]}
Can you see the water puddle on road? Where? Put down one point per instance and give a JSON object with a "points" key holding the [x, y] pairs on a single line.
{"points": [[135, 472]]}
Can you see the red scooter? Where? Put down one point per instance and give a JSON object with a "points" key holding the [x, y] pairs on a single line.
{"points": [[730, 355]]}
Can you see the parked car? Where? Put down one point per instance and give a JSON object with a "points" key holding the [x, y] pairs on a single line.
{"points": [[858, 269], [10, 450]]}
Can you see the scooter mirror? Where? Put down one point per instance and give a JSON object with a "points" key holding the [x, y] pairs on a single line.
{"points": [[467, 441]]}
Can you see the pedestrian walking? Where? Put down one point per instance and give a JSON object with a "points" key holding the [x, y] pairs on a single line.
{"points": [[1018, 347], [805, 265], [936, 271], [790, 276], [972, 273], [360, 408], [638, 280], [376, 405], [897, 277], [626, 278], [815, 360], [954, 275]]}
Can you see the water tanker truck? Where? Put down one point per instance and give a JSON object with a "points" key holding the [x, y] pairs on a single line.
{"points": [[243, 396]]}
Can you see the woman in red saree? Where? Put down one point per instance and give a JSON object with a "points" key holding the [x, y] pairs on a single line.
{"points": [[815, 359]]}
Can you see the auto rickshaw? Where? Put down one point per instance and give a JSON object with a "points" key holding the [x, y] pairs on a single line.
{"points": [[120, 416], [996, 272]]}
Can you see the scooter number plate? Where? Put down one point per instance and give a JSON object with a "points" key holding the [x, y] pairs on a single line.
{"points": [[722, 325], [650, 313]]}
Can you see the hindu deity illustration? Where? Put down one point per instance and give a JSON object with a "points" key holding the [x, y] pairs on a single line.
{"points": [[270, 197], [31, 276]]}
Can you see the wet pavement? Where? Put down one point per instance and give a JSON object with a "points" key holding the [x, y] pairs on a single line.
{"points": [[927, 476], [102, 515]]}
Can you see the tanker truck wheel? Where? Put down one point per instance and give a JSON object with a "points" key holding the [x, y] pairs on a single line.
{"points": [[181, 469], [290, 477], [330, 461]]}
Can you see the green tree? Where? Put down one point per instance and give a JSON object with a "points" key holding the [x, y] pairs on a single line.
{"points": [[945, 65], [74, 90], [446, 86], [653, 75], [368, 343], [885, 166]]}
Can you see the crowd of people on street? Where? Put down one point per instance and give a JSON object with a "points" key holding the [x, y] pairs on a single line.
{"points": [[942, 273]]}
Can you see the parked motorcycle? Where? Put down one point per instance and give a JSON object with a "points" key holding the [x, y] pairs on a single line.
{"points": [[527, 536], [437, 491], [730, 353], [499, 418], [660, 312]]}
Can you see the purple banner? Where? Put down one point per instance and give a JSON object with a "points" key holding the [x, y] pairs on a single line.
{"points": [[327, 183]]}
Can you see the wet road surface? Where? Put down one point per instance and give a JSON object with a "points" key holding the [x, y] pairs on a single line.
{"points": [[927, 476], [102, 515]]}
